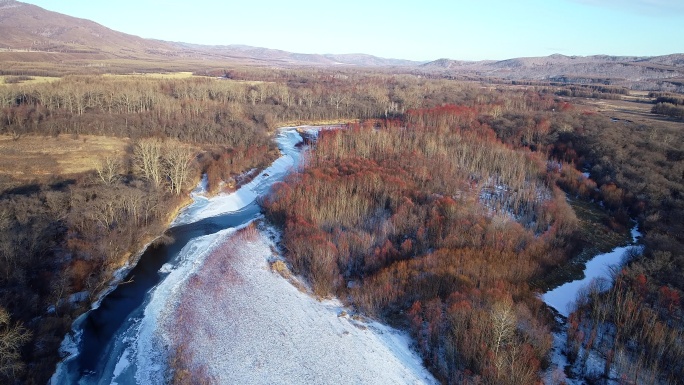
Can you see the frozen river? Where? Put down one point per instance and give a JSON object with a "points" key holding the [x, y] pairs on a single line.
{"points": [[260, 327]]}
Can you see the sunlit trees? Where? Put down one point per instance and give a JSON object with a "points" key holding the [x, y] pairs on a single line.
{"points": [[164, 163], [109, 169], [430, 219], [12, 338], [148, 160], [177, 163]]}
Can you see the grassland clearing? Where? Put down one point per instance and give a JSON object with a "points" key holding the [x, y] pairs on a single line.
{"points": [[633, 108], [156, 75], [36, 157], [9, 79]]}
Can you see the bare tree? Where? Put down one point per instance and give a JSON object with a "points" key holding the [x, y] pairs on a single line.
{"points": [[503, 321], [147, 155], [12, 338], [108, 169], [177, 165]]}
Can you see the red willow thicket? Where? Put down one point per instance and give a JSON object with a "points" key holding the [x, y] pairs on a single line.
{"points": [[638, 333], [392, 216]]}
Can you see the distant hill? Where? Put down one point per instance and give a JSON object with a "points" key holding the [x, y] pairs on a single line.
{"points": [[276, 56], [575, 69], [26, 27], [29, 28], [30, 33]]}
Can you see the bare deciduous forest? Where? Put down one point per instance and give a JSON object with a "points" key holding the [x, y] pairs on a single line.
{"points": [[434, 210]]}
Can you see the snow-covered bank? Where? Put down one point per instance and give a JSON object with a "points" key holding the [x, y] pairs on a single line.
{"points": [[287, 140], [563, 297], [148, 354], [248, 325]]}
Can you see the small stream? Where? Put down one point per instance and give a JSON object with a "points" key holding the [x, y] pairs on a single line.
{"points": [[563, 297], [104, 344]]}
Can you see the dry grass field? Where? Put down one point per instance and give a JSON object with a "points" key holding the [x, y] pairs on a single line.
{"points": [[37, 157], [156, 75], [635, 107], [4, 80]]}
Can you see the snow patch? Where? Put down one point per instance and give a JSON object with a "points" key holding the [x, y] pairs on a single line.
{"points": [[79, 297], [254, 327], [68, 350], [124, 363], [150, 357]]}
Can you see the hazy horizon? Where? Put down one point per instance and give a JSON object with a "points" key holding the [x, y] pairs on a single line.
{"points": [[492, 30]]}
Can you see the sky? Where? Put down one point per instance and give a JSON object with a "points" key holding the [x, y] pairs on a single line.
{"points": [[404, 29]]}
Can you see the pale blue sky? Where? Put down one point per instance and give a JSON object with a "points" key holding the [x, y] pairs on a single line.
{"points": [[406, 29]]}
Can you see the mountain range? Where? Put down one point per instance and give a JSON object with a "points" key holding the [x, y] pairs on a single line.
{"points": [[31, 33]]}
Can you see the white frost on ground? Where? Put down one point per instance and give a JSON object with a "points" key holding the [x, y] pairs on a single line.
{"points": [[149, 355], [556, 374], [563, 297], [248, 325]]}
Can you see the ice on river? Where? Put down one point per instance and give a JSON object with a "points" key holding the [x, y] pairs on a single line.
{"points": [[202, 208], [244, 323], [563, 297]]}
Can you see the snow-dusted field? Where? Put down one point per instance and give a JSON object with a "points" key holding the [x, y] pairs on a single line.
{"points": [[248, 325]]}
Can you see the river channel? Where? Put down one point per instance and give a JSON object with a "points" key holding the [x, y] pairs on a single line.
{"points": [[104, 346]]}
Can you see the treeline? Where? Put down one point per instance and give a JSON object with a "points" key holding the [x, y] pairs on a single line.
{"points": [[593, 91], [668, 104], [204, 110], [401, 218], [664, 97], [669, 109]]}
